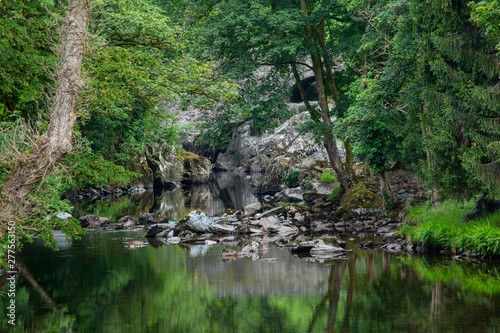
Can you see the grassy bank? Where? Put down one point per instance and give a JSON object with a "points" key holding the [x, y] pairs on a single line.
{"points": [[442, 227]]}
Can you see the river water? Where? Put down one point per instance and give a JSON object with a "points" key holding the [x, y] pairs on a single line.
{"points": [[99, 284]]}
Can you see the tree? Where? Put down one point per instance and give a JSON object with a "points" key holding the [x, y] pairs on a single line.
{"points": [[460, 100], [56, 142], [285, 35]]}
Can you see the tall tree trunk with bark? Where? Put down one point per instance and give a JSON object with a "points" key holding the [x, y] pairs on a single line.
{"points": [[31, 168], [317, 67]]}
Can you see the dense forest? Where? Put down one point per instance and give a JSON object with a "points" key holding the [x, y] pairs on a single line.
{"points": [[412, 84]]}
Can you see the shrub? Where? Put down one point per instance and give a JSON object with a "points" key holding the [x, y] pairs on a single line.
{"points": [[328, 176], [292, 179]]}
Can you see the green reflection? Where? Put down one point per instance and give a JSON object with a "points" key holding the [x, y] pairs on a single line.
{"points": [[98, 285]]}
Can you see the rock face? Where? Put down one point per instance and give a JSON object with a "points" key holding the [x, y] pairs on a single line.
{"points": [[251, 153], [171, 168], [167, 168], [141, 166], [197, 169]]}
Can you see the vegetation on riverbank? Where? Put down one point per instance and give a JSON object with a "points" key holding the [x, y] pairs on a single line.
{"points": [[442, 227]]}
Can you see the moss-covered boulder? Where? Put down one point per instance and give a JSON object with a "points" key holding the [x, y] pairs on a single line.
{"points": [[197, 169], [141, 166], [359, 200], [166, 166]]}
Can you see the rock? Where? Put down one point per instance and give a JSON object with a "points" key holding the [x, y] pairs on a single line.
{"points": [[64, 216], [254, 153], [392, 247], [275, 175], [221, 229], [151, 218], [141, 166], [196, 221], [127, 221], [253, 208], [157, 231], [93, 221], [383, 230], [197, 169], [210, 242], [359, 200], [270, 212], [306, 246], [327, 251], [167, 168]]}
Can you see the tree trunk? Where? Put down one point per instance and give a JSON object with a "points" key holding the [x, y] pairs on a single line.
{"points": [[336, 98], [38, 163], [331, 146], [434, 193], [385, 188]]}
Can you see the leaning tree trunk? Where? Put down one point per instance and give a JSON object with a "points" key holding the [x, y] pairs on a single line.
{"points": [[331, 146], [31, 168]]}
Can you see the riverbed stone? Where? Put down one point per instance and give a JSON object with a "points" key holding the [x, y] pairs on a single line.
{"points": [[196, 221], [157, 231], [93, 221], [252, 208], [151, 218]]}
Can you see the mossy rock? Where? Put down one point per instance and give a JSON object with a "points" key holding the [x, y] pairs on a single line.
{"points": [[357, 200]]}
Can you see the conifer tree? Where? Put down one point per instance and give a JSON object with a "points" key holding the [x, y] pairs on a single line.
{"points": [[459, 70]]}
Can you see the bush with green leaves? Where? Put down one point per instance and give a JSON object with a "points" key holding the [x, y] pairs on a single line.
{"points": [[292, 178], [327, 176]]}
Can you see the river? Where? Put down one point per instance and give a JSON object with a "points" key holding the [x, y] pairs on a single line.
{"points": [[99, 284]]}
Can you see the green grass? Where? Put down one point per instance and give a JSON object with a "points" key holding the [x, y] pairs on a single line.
{"points": [[328, 176], [335, 192], [442, 227]]}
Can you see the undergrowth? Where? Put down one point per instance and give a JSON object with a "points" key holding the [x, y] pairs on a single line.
{"points": [[442, 227]]}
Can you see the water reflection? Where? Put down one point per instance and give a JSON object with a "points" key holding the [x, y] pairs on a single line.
{"points": [[99, 285], [226, 190]]}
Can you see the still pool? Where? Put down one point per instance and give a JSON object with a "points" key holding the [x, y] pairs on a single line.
{"points": [[117, 281]]}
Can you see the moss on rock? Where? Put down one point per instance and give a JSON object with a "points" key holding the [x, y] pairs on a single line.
{"points": [[359, 199]]}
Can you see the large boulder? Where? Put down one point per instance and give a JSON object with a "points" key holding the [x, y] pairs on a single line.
{"points": [[151, 218], [140, 165], [359, 200], [196, 221], [166, 166], [275, 176], [197, 169]]}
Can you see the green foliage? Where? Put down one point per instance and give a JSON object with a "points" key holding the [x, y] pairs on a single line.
{"points": [[292, 178], [26, 56], [91, 169], [486, 13], [327, 176], [335, 193], [217, 131], [443, 227]]}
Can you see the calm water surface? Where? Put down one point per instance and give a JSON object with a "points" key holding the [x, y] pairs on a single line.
{"points": [[98, 284]]}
